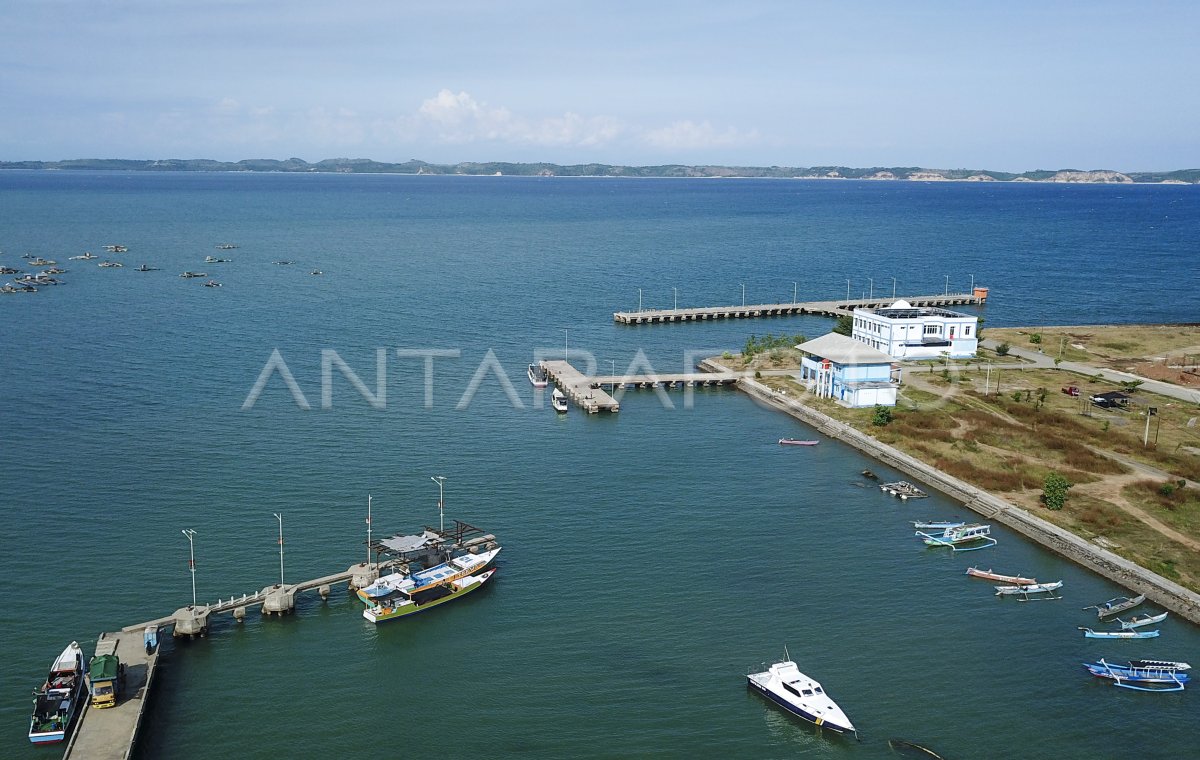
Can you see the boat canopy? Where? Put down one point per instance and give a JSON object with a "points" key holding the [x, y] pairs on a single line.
{"points": [[410, 543]]}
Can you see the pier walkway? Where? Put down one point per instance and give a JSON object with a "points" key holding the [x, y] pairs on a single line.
{"points": [[836, 308], [579, 388], [109, 734]]}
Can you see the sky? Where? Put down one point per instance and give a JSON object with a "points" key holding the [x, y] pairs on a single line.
{"points": [[1009, 86]]}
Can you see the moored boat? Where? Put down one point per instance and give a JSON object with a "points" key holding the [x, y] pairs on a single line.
{"points": [[402, 604], [1117, 604], [959, 537], [1088, 633], [537, 376], [786, 686], [190, 275], [1138, 622], [796, 442], [558, 400], [57, 702], [937, 524], [1156, 675], [458, 567], [903, 489], [146, 268], [212, 284], [1029, 588], [1015, 580]]}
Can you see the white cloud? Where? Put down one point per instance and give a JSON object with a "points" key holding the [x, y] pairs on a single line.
{"points": [[688, 135], [460, 118]]}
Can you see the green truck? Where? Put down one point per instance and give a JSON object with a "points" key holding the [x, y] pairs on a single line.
{"points": [[106, 675]]}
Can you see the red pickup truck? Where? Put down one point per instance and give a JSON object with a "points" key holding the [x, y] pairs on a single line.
{"points": [[1071, 390]]}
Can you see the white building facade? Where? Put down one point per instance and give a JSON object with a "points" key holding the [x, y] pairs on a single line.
{"points": [[834, 366], [903, 331]]}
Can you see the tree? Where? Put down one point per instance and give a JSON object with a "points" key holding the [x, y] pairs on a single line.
{"points": [[882, 415], [1129, 386], [1036, 339], [1054, 491], [845, 325], [1003, 349]]}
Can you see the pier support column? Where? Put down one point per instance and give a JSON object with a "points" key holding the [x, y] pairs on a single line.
{"points": [[280, 600], [191, 621], [362, 575]]}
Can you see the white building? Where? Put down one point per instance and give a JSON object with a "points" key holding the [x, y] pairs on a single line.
{"points": [[834, 366], [904, 331]]}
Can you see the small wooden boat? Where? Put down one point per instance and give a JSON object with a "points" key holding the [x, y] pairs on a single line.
{"points": [[1031, 588], [1088, 633], [1015, 580], [58, 701], [1138, 622], [959, 538], [1156, 675], [796, 442], [1118, 604], [941, 525], [903, 489]]}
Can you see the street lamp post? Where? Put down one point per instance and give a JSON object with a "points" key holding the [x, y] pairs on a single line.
{"points": [[872, 291], [676, 292], [440, 479], [972, 284], [565, 357], [191, 560], [893, 288], [947, 291], [279, 517], [743, 294], [639, 299], [613, 385], [795, 291], [847, 290]]}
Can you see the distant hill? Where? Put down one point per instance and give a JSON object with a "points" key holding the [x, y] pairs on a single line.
{"points": [[368, 166]]}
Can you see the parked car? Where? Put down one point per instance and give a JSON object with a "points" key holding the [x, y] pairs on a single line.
{"points": [[1071, 390]]}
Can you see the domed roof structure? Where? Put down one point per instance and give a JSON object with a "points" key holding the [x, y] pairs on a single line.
{"points": [[901, 304]]}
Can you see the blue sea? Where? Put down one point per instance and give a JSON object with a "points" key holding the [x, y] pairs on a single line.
{"points": [[650, 558]]}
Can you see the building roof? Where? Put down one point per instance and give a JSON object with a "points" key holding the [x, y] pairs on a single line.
{"points": [[844, 350], [907, 311]]}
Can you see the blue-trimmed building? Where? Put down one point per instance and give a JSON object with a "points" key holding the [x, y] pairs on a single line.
{"points": [[849, 372], [903, 331]]}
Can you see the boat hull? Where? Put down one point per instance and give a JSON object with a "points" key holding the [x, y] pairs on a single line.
{"points": [[380, 614], [796, 709]]}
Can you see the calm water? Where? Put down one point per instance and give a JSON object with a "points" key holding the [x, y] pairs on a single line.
{"points": [[650, 558]]}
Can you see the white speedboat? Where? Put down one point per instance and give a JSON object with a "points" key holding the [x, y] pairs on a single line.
{"points": [[459, 567], [558, 400], [537, 376], [56, 704], [800, 695]]}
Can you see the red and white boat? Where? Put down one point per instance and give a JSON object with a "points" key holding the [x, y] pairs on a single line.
{"points": [[1015, 580], [796, 442]]}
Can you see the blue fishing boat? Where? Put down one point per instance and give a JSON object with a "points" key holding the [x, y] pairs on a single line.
{"points": [[1143, 675], [961, 538]]}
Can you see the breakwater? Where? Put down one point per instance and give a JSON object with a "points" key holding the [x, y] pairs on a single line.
{"points": [[1169, 594]]}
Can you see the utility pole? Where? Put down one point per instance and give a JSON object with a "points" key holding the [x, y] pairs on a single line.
{"points": [[1150, 412]]}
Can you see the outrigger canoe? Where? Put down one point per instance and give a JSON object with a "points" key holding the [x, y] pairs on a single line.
{"points": [[1088, 633], [1015, 580], [1138, 622], [796, 442], [1118, 604]]}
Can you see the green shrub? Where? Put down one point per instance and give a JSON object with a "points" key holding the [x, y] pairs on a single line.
{"points": [[1003, 349], [1054, 491], [882, 416]]}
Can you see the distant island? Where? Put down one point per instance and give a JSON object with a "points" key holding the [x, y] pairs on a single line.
{"points": [[368, 166]]}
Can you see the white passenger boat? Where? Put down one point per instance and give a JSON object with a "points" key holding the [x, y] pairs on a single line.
{"points": [[800, 695], [558, 400], [537, 376], [459, 567]]}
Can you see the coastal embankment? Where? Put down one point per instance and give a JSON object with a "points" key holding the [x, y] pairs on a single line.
{"points": [[1170, 595]]}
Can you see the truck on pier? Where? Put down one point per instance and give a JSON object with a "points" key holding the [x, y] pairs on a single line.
{"points": [[105, 676]]}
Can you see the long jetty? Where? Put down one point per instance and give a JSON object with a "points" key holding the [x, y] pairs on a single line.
{"points": [[587, 391], [836, 308]]}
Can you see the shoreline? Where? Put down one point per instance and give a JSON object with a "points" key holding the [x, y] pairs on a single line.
{"points": [[1114, 567]]}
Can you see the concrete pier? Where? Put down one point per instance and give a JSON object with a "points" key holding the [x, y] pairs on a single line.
{"points": [[109, 734], [836, 308], [579, 388]]}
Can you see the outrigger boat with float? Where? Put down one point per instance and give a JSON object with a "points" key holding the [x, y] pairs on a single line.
{"points": [[404, 603], [57, 702], [1014, 580], [459, 567], [1029, 588], [786, 686], [1088, 633], [537, 376], [1158, 675], [958, 538], [796, 442], [1138, 622], [1118, 604], [903, 489]]}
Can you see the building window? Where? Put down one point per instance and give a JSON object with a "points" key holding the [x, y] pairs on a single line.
{"points": [[967, 331], [933, 329]]}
